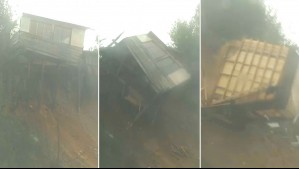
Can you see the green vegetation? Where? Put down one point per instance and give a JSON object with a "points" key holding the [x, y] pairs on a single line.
{"points": [[185, 37], [18, 147], [224, 20], [6, 25]]}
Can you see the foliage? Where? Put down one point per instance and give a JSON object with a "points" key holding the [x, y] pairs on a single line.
{"points": [[185, 37], [224, 20], [6, 25], [17, 146]]}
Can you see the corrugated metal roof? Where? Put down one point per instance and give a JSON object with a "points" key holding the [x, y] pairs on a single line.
{"points": [[162, 69]]}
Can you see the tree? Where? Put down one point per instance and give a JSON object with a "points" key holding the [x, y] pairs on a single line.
{"points": [[224, 20], [185, 37], [6, 25]]}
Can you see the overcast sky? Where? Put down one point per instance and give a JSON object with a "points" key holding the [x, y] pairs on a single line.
{"points": [[111, 17], [287, 14]]}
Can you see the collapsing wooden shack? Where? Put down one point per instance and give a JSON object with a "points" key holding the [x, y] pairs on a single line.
{"points": [[143, 70], [45, 53], [254, 78]]}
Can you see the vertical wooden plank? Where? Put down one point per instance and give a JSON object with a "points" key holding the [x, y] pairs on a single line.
{"points": [[276, 61], [242, 67], [235, 63], [54, 87], [269, 56], [79, 88], [250, 65], [41, 85], [29, 69], [254, 76]]}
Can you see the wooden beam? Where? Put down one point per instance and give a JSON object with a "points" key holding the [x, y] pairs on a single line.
{"points": [[79, 88], [235, 63], [41, 86]]}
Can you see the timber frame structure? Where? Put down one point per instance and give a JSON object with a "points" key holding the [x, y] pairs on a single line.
{"points": [[142, 70], [35, 59]]}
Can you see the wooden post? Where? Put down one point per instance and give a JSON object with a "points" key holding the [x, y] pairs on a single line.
{"points": [[41, 86], [58, 140], [29, 70], [28, 81], [54, 92], [79, 87]]}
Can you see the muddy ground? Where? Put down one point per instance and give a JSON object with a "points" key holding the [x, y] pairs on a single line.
{"points": [[171, 140], [257, 146], [68, 138]]}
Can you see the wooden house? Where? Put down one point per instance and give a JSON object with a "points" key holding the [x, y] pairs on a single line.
{"points": [[50, 39]]}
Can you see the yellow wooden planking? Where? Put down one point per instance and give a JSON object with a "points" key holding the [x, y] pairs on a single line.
{"points": [[228, 68], [268, 74], [250, 77], [238, 66], [248, 58], [260, 47], [263, 63], [271, 63], [232, 83], [232, 55], [258, 79], [229, 94], [242, 57], [258, 65], [275, 78], [252, 72], [239, 87], [245, 69], [256, 60], [255, 85], [223, 82], [237, 70], [268, 49], [259, 75], [280, 65], [266, 81], [253, 45], [247, 86], [220, 91]]}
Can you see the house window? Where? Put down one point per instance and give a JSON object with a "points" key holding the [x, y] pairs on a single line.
{"points": [[168, 65], [33, 27], [48, 32], [41, 29], [62, 35], [144, 38]]}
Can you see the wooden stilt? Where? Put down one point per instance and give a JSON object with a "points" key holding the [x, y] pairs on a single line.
{"points": [[55, 84], [79, 88], [41, 86]]}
